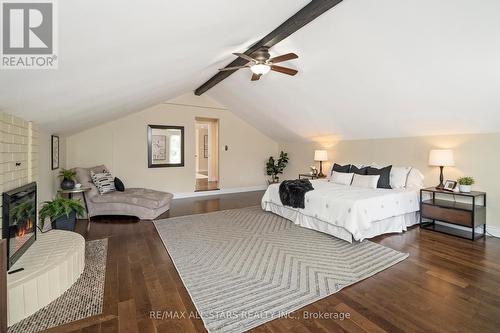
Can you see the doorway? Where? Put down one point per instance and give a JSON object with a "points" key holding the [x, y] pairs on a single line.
{"points": [[207, 154]]}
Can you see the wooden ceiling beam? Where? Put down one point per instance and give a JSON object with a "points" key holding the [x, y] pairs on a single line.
{"points": [[307, 14]]}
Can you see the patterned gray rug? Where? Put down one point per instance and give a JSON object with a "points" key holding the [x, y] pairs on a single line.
{"points": [[83, 299], [244, 267]]}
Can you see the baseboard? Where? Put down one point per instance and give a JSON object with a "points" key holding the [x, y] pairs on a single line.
{"points": [[181, 195], [494, 231]]}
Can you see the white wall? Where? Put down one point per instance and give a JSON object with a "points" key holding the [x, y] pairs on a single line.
{"points": [[122, 146], [48, 182], [476, 155]]}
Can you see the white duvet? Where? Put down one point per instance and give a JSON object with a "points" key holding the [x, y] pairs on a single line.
{"points": [[349, 207]]}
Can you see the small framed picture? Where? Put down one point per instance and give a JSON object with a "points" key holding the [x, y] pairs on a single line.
{"points": [[450, 185], [55, 152]]}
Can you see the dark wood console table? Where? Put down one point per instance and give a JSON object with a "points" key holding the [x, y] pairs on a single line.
{"points": [[469, 212]]}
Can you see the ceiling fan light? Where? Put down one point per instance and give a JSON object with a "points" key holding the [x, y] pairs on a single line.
{"points": [[260, 69]]}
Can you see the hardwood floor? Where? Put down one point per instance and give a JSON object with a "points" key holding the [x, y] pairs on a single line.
{"points": [[446, 285], [204, 185]]}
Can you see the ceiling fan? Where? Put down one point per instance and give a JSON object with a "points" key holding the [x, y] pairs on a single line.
{"points": [[261, 63]]}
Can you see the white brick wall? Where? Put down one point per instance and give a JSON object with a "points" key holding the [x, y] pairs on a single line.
{"points": [[18, 145]]}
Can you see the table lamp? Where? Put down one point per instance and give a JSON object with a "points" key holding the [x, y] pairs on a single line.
{"points": [[441, 158], [320, 156]]}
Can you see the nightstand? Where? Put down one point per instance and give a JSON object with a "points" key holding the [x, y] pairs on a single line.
{"points": [[309, 176], [468, 211]]}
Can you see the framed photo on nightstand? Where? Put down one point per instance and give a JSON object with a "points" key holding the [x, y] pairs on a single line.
{"points": [[450, 185]]}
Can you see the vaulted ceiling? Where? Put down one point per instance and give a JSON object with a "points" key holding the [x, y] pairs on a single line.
{"points": [[367, 69]]}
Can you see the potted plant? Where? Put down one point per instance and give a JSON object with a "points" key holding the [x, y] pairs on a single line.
{"points": [[62, 213], [274, 168], [68, 179], [465, 184]]}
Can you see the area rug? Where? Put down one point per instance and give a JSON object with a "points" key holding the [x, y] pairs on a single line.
{"points": [[83, 299], [244, 267]]}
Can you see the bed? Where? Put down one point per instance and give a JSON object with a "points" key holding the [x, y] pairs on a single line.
{"points": [[348, 212]]}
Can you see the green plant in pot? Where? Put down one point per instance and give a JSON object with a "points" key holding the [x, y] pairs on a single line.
{"points": [[62, 213], [465, 184], [68, 179], [274, 168]]}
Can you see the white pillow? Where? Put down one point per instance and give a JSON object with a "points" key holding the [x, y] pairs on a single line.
{"points": [[365, 181], [103, 181], [399, 176], [415, 179], [341, 178]]}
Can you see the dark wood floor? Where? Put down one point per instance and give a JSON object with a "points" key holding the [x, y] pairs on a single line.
{"points": [[446, 285], [202, 184]]}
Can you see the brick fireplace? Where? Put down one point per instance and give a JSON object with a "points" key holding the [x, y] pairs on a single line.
{"points": [[18, 155]]}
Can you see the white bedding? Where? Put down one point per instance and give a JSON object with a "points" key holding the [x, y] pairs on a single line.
{"points": [[353, 209]]}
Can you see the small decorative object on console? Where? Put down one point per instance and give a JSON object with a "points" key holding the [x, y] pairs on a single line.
{"points": [[314, 170], [465, 184], [449, 185]]}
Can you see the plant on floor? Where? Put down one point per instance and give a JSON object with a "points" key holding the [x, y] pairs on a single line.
{"points": [[62, 213], [68, 179], [274, 168], [465, 184]]}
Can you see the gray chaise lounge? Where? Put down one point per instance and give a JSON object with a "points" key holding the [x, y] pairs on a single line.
{"points": [[140, 202]]}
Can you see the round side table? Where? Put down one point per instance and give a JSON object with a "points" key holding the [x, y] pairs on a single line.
{"points": [[81, 190]]}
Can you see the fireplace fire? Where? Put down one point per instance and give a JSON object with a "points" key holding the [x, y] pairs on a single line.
{"points": [[24, 228], [19, 220]]}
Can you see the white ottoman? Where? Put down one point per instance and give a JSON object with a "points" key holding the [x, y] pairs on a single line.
{"points": [[51, 265]]}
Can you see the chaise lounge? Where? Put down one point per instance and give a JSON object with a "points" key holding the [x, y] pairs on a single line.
{"points": [[143, 203]]}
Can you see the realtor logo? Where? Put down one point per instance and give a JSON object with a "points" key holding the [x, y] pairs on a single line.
{"points": [[28, 34]]}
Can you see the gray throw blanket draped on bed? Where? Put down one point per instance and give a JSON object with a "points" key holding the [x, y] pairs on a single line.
{"points": [[293, 192]]}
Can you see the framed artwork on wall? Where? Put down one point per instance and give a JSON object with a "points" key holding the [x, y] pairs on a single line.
{"points": [[55, 152], [165, 146]]}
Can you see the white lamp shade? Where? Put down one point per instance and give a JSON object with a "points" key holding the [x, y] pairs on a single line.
{"points": [[441, 157], [320, 155]]}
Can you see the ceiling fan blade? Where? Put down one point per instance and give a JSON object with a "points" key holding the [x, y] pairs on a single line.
{"points": [[284, 57], [284, 70], [233, 68], [244, 56], [256, 77]]}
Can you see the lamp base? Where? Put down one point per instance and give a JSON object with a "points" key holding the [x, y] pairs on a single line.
{"points": [[321, 174], [441, 179]]}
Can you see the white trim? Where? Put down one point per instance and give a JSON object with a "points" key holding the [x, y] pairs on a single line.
{"points": [[495, 231], [181, 195]]}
